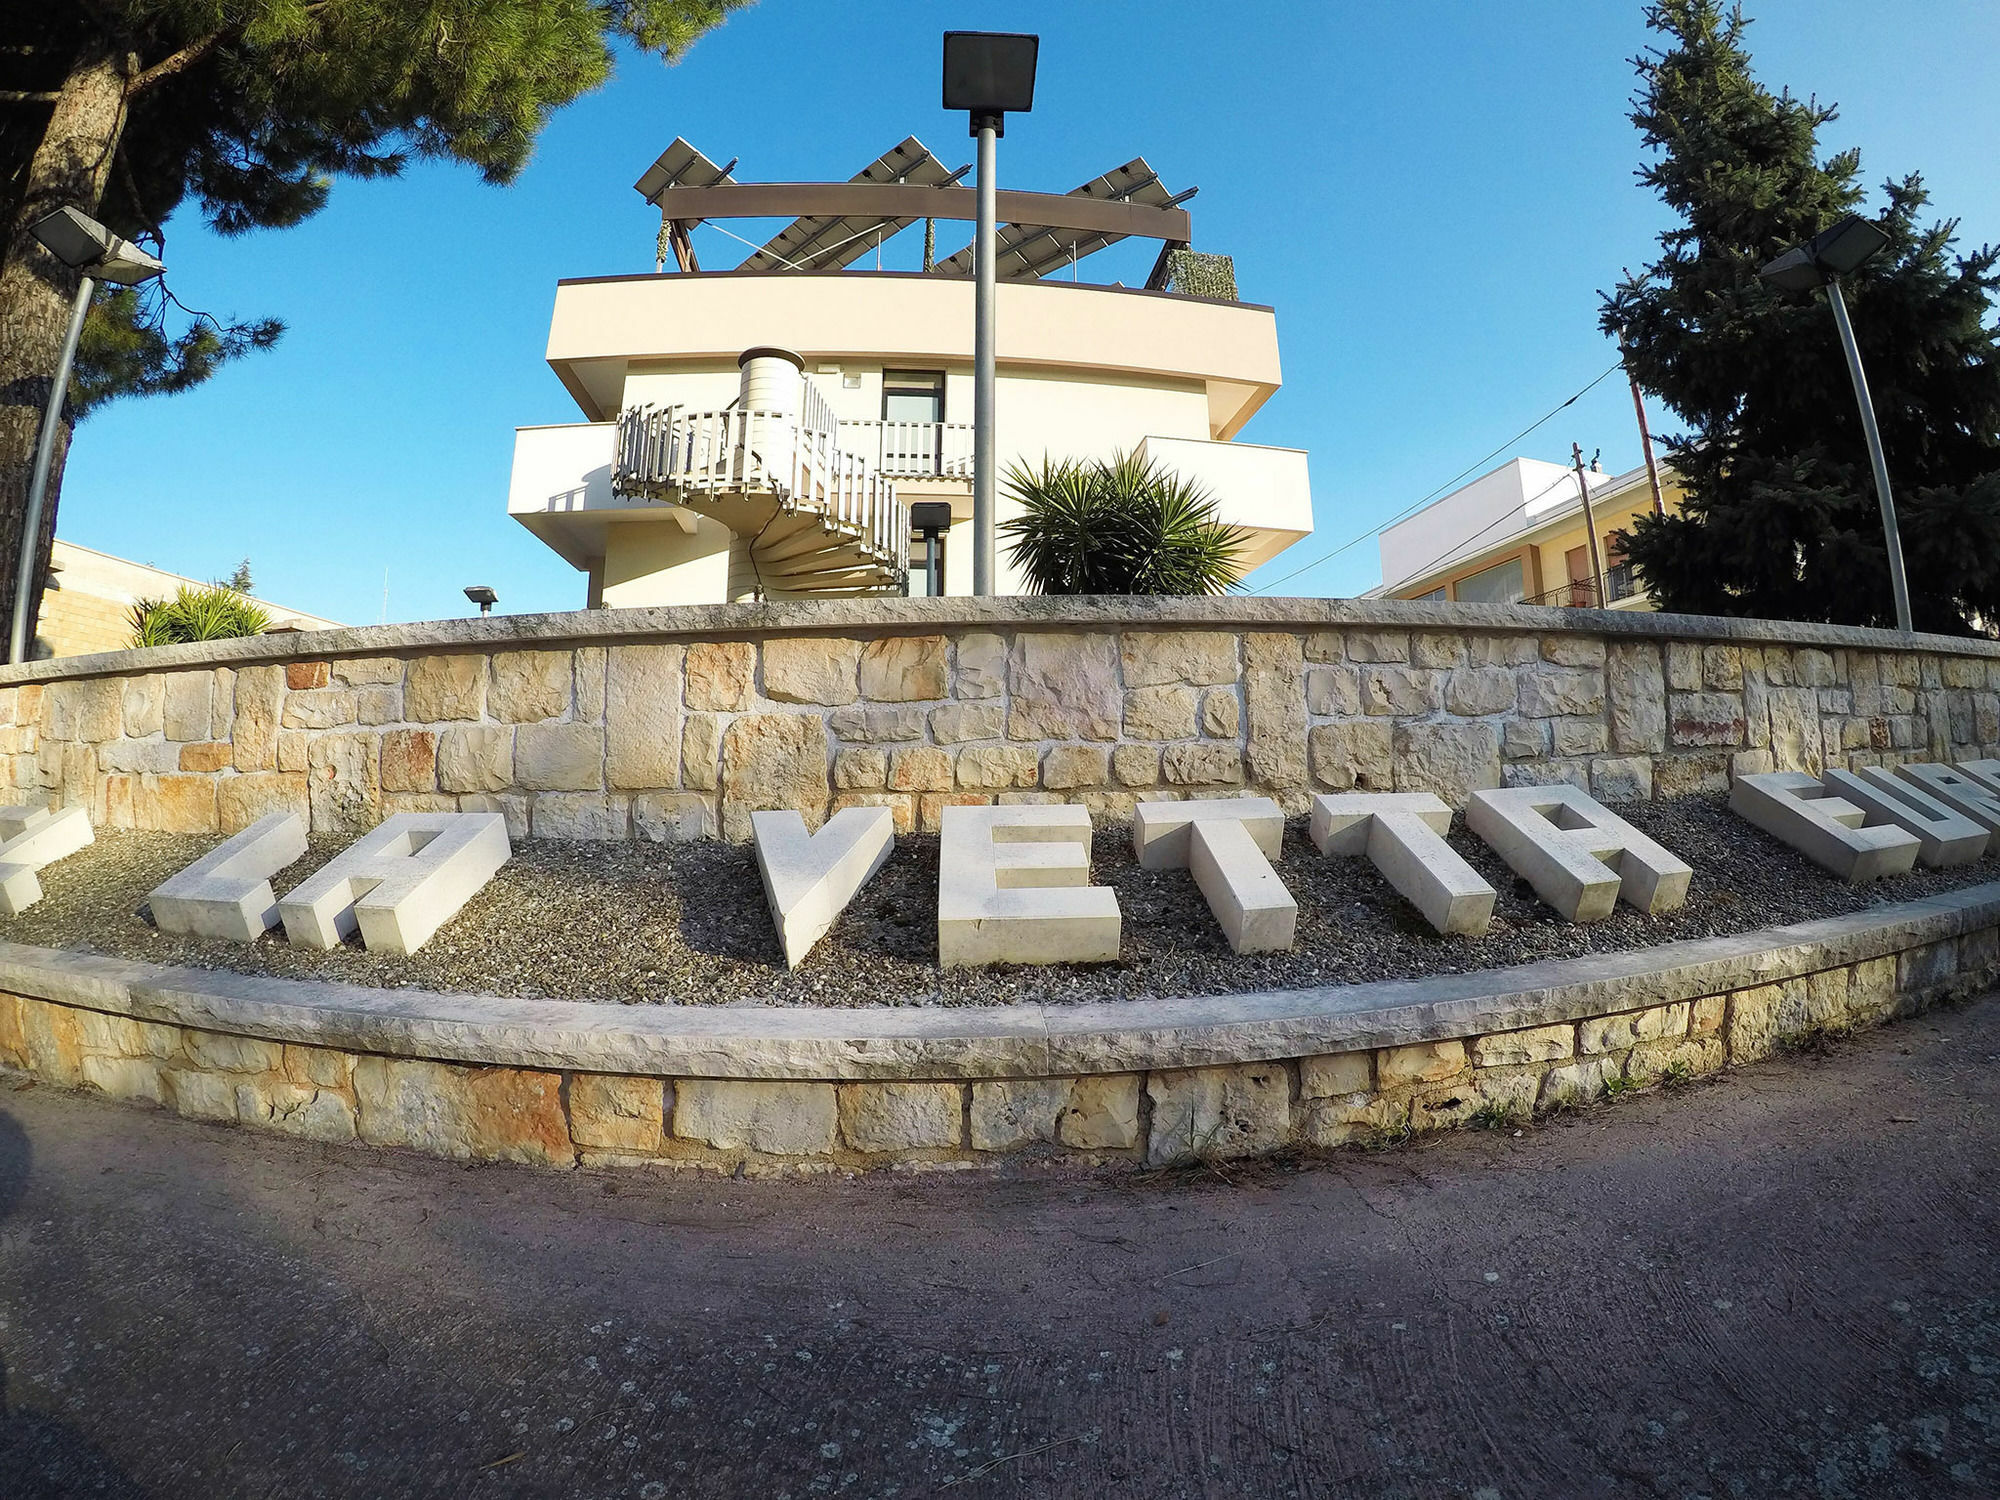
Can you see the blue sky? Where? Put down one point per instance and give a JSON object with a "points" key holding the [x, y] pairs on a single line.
{"points": [[1431, 193]]}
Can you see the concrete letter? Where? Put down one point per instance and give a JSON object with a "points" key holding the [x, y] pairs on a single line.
{"points": [[1228, 842], [227, 892], [809, 879], [1944, 837], [1578, 855], [1014, 887], [1402, 833], [398, 884], [1851, 841], [1957, 791], [34, 837]]}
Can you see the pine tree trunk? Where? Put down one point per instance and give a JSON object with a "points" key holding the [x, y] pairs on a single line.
{"points": [[71, 166]]}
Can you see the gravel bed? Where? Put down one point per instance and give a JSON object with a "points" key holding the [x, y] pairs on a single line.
{"points": [[686, 924]]}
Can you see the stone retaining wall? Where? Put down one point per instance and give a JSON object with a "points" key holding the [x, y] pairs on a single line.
{"points": [[677, 723], [1150, 1081]]}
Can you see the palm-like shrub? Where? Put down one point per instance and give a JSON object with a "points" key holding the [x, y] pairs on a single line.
{"points": [[1124, 527], [214, 612]]}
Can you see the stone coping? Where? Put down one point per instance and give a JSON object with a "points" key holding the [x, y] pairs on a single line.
{"points": [[878, 616], [1025, 1041]]}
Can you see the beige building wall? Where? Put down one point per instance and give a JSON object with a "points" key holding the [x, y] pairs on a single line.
{"points": [[89, 608]]}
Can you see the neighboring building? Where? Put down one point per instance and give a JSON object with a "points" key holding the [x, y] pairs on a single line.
{"points": [[1517, 536], [87, 606], [762, 432]]}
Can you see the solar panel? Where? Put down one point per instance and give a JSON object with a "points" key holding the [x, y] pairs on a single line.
{"points": [[1027, 251], [680, 165], [819, 243]]}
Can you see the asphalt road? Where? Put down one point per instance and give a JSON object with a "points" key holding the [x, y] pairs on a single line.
{"points": [[1781, 1283]]}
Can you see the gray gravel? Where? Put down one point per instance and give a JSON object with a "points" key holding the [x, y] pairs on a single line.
{"points": [[686, 923]]}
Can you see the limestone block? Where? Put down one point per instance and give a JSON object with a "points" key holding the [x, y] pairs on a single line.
{"points": [[409, 760], [1599, 1034], [1707, 1014], [32, 838], [608, 1112], [719, 675], [773, 1119], [1579, 736], [220, 1052], [186, 705], [259, 703], [1017, 1112], [1475, 691], [588, 704], [1812, 1003], [810, 878], [1579, 1082], [955, 723], [863, 770], [1218, 1112], [304, 676], [773, 761], [1691, 1056], [1202, 765], [1707, 719], [1378, 645], [886, 1117], [1536, 1044], [477, 759], [1256, 912], [320, 708], [701, 752], [293, 749], [1547, 692], [126, 1077], [1354, 754], [1963, 794], [1340, 1120], [1135, 765], [904, 669], [1795, 733], [1855, 843], [1069, 766], [369, 671], [811, 669], [1200, 658], [1336, 1074], [1221, 715], [1334, 692], [141, 697], [919, 768], [982, 666], [201, 1096], [642, 717], [311, 1114], [578, 815], [132, 757], [1161, 713], [901, 805], [1064, 686], [997, 766], [1580, 857], [559, 757], [1423, 1062], [877, 726], [1636, 689], [673, 817], [931, 806], [210, 756], [398, 884], [241, 800], [1689, 775], [440, 688], [1450, 760], [1013, 887], [486, 1114], [1871, 988], [1402, 833], [227, 892], [1622, 778], [344, 782], [531, 685], [1162, 831]]}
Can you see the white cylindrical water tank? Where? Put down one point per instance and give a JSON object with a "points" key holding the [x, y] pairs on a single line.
{"points": [[773, 382]]}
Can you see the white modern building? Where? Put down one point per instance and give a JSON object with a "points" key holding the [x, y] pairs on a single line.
{"points": [[764, 431]]}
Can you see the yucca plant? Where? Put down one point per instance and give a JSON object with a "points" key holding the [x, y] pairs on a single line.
{"points": [[1127, 526], [213, 612]]}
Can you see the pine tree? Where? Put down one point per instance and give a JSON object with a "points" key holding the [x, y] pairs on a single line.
{"points": [[1780, 517], [248, 108]]}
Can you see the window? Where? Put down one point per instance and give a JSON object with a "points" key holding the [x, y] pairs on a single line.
{"points": [[912, 408], [1496, 585], [1435, 596], [918, 585]]}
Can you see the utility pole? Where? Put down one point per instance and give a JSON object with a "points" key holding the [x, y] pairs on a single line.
{"points": [[1645, 432], [1589, 522]]}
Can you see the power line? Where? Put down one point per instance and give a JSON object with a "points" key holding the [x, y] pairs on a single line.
{"points": [[1505, 516], [1477, 463]]}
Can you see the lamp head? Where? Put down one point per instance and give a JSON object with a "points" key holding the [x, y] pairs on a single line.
{"points": [[930, 516], [1834, 251], [83, 244], [482, 596], [990, 74]]}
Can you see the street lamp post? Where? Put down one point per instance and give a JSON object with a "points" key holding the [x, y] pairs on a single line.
{"points": [[82, 244], [1820, 262], [988, 74]]}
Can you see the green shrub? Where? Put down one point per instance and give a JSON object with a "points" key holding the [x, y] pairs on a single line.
{"points": [[1123, 527], [214, 612]]}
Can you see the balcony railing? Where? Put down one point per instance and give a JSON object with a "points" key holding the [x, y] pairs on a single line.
{"points": [[802, 462], [1619, 583], [912, 450]]}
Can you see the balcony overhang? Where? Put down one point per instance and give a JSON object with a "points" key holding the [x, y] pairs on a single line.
{"points": [[604, 326]]}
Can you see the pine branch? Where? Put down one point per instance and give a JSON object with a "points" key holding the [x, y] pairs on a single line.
{"points": [[29, 96], [189, 55]]}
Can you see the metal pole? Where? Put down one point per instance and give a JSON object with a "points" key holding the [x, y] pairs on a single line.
{"points": [[38, 485], [931, 579], [984, 533], [1645, 432], [1899, 585]]}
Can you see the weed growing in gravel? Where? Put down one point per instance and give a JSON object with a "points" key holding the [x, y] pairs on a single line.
{"points": [[1676, 1075], [1613, 1087], [1494, 1114]]}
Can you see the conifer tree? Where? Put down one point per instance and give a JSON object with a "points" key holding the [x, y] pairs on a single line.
{"points": [[248, 109], [1780, 517]]}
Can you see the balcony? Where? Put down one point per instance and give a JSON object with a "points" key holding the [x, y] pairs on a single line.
{"points": [[912, 450], [1622, 590]]}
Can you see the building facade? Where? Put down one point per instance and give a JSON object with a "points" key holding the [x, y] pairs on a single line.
{"points": [[87, 606], [764, 432]]}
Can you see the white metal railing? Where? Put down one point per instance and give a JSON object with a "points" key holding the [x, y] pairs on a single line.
{"points": [[912, 450], [800, 459]]}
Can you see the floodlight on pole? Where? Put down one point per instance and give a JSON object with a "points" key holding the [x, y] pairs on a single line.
{"points": [[483, 596], [1820, 262], [82, 244], [989, 74]]}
